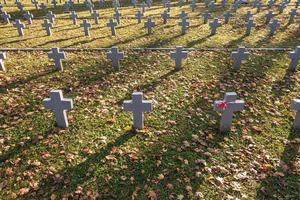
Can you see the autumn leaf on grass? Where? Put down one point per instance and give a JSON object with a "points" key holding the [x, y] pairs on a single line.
{"points": [[112, 120], [152, 195], [23, 191], [128, 128]]}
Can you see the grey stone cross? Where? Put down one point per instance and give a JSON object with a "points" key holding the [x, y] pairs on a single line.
{"points": [[178, 55], [238, 56], [149, 25], [193, 6], [248, 16], [270, 3], [86, 27], [293, 13], [48, 26], [57, 56], [2, 57], [295, 57], [269, 16], [206, 16], [295, 106], [184, 24], [282, 6], [227, 16], [117, 16], [228, 106], [35, 3], [112, 26], [214, 25], [274, 25], [59, 105], [6, 17], [139, 16], [74, 17], [18, 24], [115, 56], [44, 8], [28, 16], [51, 17], [183, 14], [249, 25], [96, 16], [165, 16], [138, 106]]}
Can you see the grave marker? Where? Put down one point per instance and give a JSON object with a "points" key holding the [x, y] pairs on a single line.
{"points": [[59, 105], [2, 58], [74, 17], [48, 26], [238, 56], [214, 25], [57, 56], [269, 16], [249, 25], [149, 25], [295, 57], [51, 17], [293, 13], [115, 56], [6, 17], [274, 25], [165, 16], [112, 26], [206, 16], [28, 16], [184, 24], [96, 16], [139, 16], [227, 16], [18, 24], [228, 106], [295, 106], [86, 27], [178, 55], [138, 106], [117, 16]]}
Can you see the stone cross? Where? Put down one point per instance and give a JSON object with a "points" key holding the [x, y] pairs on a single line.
{"points": [[274, 25], [180, 3], [297, 3], [20, 6], [115, 56], [139, 15], [18, 24], [149, 25], [6, 17], [54, 3], [206, 2], [184, 24], [96, 16], [28, 16], [214, 25], [86, 27], [223, 3], [59, 105], [193, 6], [211, 6], [269, 16], [165, 16], [248, 15], [293, 13], [178, 55], [112, 26], [143, 6], [35, 3], [282, 7], [249, 26], [138, 106], [227, 16], [48, 26], [258, 6], [74, 17], [206, 16], [238, 56], [134, 2], [57, 56], [51, 17], [183, 15], [44, 8], [270, 3], [295, 57], [2, 57], [67, 6], [117, 16], [228, 106], [295, 106]]}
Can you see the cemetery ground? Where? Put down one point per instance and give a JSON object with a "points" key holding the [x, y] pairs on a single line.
{"points": [[180, 154]]}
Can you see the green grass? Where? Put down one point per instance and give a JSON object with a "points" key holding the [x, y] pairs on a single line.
{"points": [[180, 153]]}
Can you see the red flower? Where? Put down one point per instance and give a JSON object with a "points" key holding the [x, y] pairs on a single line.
{"points": [[222, 105]]}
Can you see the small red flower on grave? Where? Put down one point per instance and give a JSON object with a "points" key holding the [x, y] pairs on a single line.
{"points": [[222, 105]]}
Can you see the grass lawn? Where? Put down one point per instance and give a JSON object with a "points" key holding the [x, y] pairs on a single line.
{"points": [[180, 154]]}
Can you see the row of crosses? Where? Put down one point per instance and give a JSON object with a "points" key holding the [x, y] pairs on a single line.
{"points": [[138, 106], [178, 56]]}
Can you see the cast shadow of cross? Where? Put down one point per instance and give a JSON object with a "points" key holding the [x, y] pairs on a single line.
{"points": [[22, 82], [76, 174], [284, 86], [283, 182], [29, 143]]}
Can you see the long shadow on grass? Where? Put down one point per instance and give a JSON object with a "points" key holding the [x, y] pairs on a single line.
{"points": [[76, 174], [21, 82], [283, 182], [26, 145]]}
